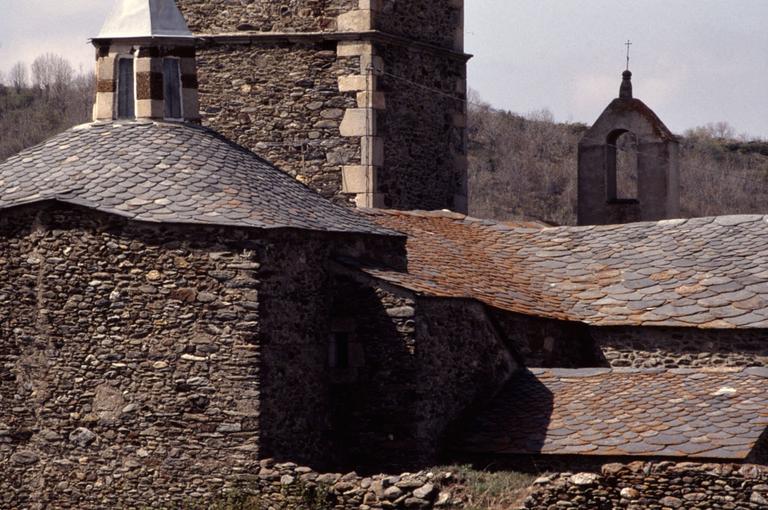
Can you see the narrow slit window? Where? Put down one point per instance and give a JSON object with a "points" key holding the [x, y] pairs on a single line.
{"points": [[125, 89], [172, 88]]}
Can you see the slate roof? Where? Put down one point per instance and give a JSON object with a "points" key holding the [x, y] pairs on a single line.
{"points": [[168, 172], [626, 412], [702, 272]]}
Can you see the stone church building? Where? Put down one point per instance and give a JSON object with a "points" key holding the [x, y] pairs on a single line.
{"points": [[188, 289]]}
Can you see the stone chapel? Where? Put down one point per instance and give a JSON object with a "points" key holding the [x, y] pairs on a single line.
{"points": [[176, 308]]}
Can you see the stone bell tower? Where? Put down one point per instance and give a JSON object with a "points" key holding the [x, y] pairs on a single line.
{"points": [[657, 164], [145, 64], [362, 100]]}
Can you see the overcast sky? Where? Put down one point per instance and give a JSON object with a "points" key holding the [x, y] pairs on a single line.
{"points": [[695, 61]]}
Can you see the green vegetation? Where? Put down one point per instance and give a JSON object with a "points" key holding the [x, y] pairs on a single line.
{"points": [[310, 497], [488, 490]]}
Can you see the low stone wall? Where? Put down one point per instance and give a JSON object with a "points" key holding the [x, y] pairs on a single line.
{"points": [[288, 486], [663, 485]]}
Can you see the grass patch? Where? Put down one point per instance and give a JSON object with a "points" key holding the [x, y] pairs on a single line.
{"points": [[314, 497], [487, 490]]}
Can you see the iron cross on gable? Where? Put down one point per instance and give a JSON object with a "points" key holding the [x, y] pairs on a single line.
{"points": [[628, 44]]}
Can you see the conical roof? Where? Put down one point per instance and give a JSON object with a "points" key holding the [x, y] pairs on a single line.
{"points": [[169, 173], [144, 18]]}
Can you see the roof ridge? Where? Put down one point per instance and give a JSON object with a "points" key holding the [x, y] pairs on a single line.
{"points": [[601, 371]]}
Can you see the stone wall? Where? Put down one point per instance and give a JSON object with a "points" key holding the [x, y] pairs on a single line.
{"points": [[282, 101], [156, 363], [438, 22], [286, 486], [130, 361], [293, 81], [221, 16], [663, 485], [422, 364], [372, 395], [551, 343], [463, 363], [423, 129], [682, 347], [548, 343]]}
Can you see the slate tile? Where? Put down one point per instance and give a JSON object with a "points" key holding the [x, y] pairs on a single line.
{"points": [[125, 160], [671, 413]]}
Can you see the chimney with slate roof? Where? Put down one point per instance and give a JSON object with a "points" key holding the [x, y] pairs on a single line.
{"points": [[145, 64]]}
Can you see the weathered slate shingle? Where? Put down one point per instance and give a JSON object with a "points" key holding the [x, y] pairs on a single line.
{"points": [[659, 413], [702, 272], [163, 172]]}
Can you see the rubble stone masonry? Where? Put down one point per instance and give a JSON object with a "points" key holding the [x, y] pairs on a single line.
{"points": [[682, 347], [154, 363], [283, 102], [661, 485], [440, 23], [551, 343], [423, 128], [120, 347], [362, 100], [226, 16], [419, 365]]}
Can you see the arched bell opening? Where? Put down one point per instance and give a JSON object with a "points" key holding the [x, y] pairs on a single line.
{"points": [[621, 166]]}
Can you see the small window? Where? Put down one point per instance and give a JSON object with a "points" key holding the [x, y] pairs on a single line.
{"points": [[338, 357], [126, 98], [172, 88]]}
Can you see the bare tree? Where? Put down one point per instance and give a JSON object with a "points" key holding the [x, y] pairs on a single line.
{"points": [[66, 100], [17, 77], [83, 94], [525, 166], [52, 74], [720, 130]]}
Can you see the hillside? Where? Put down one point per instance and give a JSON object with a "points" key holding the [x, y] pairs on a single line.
{"points": [[55, 99], [526, 167], [518, 166]]}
